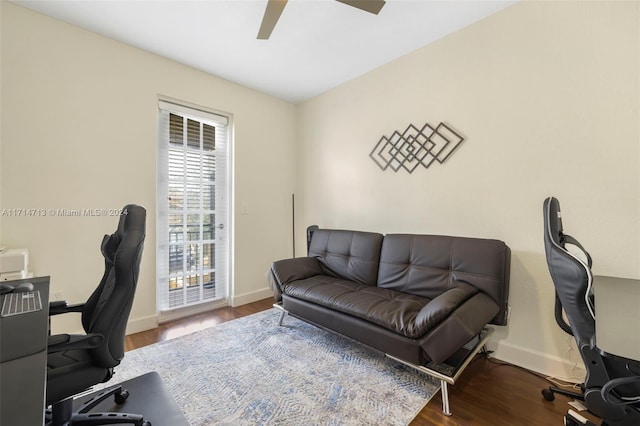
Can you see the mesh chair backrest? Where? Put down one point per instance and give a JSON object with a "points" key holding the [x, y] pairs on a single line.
{"points": [[107, 309]]}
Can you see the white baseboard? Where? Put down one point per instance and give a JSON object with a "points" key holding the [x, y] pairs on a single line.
{"points": [[187, 311], [540, 362], [152, 321], [253, 296], [142, 324]]}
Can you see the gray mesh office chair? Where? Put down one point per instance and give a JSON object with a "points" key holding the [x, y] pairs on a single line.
{"points": [[76, 362]]}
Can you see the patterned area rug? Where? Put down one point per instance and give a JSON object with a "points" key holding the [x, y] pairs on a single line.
{"points": [[250, 371]]}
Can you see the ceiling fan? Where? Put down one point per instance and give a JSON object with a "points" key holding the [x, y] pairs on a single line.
{"points": [[275, 7]]}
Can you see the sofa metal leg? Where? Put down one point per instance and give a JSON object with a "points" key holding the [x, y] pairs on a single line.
{"points": [[283, 313], [444, 392], [446, 379]]}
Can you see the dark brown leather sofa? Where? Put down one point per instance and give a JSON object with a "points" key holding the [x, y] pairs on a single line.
{"points": [[418, 298]]}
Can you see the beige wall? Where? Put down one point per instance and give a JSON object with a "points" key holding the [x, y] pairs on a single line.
{"points": [[547, 95], [79, 118]]}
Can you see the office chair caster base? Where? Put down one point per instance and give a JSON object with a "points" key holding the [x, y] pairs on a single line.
{"points": [[121, 397], [61, 414], [548, 394], [108, 419]]}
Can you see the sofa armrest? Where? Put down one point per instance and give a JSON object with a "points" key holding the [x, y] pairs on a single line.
{"points": [[285, 271], [442, 306], [463, 324]]}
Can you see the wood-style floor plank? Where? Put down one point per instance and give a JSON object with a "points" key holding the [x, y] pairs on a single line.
{"points": [[489, 392]]}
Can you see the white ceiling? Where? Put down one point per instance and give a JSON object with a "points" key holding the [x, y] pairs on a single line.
{"points": [[316, 45]]}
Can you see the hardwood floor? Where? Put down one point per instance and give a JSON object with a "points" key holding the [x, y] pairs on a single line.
{"points": [[188, 325], [489, 392]]}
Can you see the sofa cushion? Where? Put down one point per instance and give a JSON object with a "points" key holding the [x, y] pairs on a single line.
{"points": [[428, 265], [406, 314], [350, 255]]}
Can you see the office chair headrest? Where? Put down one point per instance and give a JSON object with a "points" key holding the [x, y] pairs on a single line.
{"points": [[553, 217], [132, 216], [554, 230]]}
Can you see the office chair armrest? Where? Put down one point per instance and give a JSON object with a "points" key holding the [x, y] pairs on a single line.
{"points": [[67, 342], [62, 307]]}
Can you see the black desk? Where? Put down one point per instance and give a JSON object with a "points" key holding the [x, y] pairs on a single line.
{"points": [[23, 360], [147, 396], [23, 373]]}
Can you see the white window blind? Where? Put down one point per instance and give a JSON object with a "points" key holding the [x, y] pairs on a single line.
{"points": [[192, 207]]}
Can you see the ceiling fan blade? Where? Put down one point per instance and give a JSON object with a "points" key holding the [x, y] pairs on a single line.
{"points": [[271, 15], [371, 6]]}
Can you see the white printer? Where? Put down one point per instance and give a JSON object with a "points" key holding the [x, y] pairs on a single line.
{"points": [[14, 264]]}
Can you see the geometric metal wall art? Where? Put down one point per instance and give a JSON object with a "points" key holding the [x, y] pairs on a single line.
{"points": [[415, 147]]}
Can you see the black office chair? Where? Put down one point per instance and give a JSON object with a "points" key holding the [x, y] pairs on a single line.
{"points": [[77, 362], [611, 389]]}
